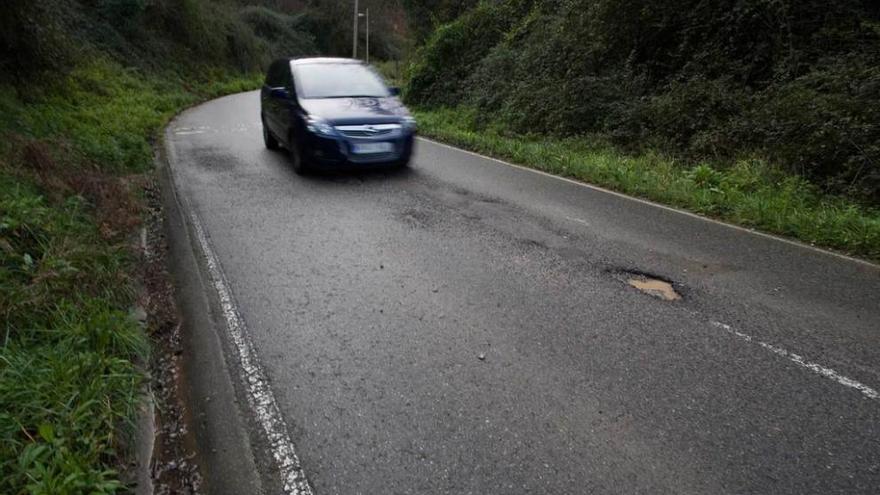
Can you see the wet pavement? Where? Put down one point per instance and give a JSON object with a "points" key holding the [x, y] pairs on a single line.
{"points": [[466, 326]]}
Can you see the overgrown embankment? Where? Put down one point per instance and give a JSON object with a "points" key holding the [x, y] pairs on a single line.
{"points": [[701, 94], [86, 87]]}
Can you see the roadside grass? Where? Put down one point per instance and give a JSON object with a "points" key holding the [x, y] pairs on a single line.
{"points": [[749, 192], [75, 154]]}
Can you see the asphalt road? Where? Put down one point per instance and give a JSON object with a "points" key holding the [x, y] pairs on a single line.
{"points": [[465, 326]]}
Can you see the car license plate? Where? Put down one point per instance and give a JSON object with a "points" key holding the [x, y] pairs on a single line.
{"points": [[371, 148]]}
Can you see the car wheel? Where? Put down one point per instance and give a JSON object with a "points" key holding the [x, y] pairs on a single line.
{"points": [[297, 161], [268, 139]]}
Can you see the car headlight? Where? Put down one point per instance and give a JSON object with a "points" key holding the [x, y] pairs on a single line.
{"points": [[318, 126], [409, 123]]}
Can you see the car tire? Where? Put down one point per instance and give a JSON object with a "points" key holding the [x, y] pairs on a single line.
{"points": [[297, 160], [268, 139]]}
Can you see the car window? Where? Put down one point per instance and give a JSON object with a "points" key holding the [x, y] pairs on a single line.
{"points": [[337, 81], [288, 76], [275, 76], [270, 79]]}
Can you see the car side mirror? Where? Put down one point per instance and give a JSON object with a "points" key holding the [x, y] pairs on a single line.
{"points": [[394, 90], [281, 93]]}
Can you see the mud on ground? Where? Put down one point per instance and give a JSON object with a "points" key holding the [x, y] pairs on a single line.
{"points": [[173, 467]]}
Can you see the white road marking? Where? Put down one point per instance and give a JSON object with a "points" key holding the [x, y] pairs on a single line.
{"points": [[800, 361], [185, 131], [262, 401], [658, 205], [260, 397], [578, 220]]}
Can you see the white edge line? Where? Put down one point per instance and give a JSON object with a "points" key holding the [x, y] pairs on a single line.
{"points": [[661, 206], [260, 397], [800, 361], [262, 400]]}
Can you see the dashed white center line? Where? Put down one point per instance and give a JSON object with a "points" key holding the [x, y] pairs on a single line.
{"points": [[800, 361], [578, 220]]}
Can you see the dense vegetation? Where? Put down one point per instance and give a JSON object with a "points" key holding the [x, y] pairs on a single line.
{"points": [[85, 87], [73, 165], [57, 35], [751, 110], [796, 83]]}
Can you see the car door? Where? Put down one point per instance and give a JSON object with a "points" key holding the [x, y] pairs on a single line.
{"points": [[287, 103], [272, 99]]}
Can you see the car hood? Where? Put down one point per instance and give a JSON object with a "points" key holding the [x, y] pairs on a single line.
{"points": [[356, 110]]}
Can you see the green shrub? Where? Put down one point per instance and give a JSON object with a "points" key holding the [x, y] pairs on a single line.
{"points": [[793, 82], [705, 176], [454, 50], [33, 38], [285, 34], [123, 14], [688, 116], [824, 126]]}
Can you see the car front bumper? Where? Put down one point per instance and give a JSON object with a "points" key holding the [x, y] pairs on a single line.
{"points": [[336, 151]]}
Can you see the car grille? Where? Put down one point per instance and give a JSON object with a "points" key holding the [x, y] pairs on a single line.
{"points": [[374, 158], [367, 130]]}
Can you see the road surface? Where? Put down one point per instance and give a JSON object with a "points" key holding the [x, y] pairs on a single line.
{"points": [[466, 326]]}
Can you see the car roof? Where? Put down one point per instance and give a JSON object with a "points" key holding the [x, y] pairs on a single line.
{"points": [[324, 60]]}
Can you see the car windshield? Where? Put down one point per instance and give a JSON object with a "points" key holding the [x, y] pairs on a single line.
{"points": [[338, 81]]}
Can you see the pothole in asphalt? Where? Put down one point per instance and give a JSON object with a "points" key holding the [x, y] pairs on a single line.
{"points": [[655, 287], [649, 284]]}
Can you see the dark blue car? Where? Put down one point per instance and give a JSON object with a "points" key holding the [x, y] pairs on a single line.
{"points": [[334, 113]]}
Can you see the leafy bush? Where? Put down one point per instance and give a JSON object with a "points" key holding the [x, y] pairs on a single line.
{"points": [[285, 34], [182, 35], [825, 125], [793, 82], [683, 116], [32, 38], [121, 13], [452, 52], [425, 15]]}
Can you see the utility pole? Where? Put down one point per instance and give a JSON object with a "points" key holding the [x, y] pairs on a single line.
{"points": [[354, 41], [368, 35]]}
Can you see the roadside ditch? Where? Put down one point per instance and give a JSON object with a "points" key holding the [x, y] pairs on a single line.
{"points": [[167, 460]]}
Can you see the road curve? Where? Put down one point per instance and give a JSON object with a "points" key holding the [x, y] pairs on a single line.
{"points": [[465, 326]]}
